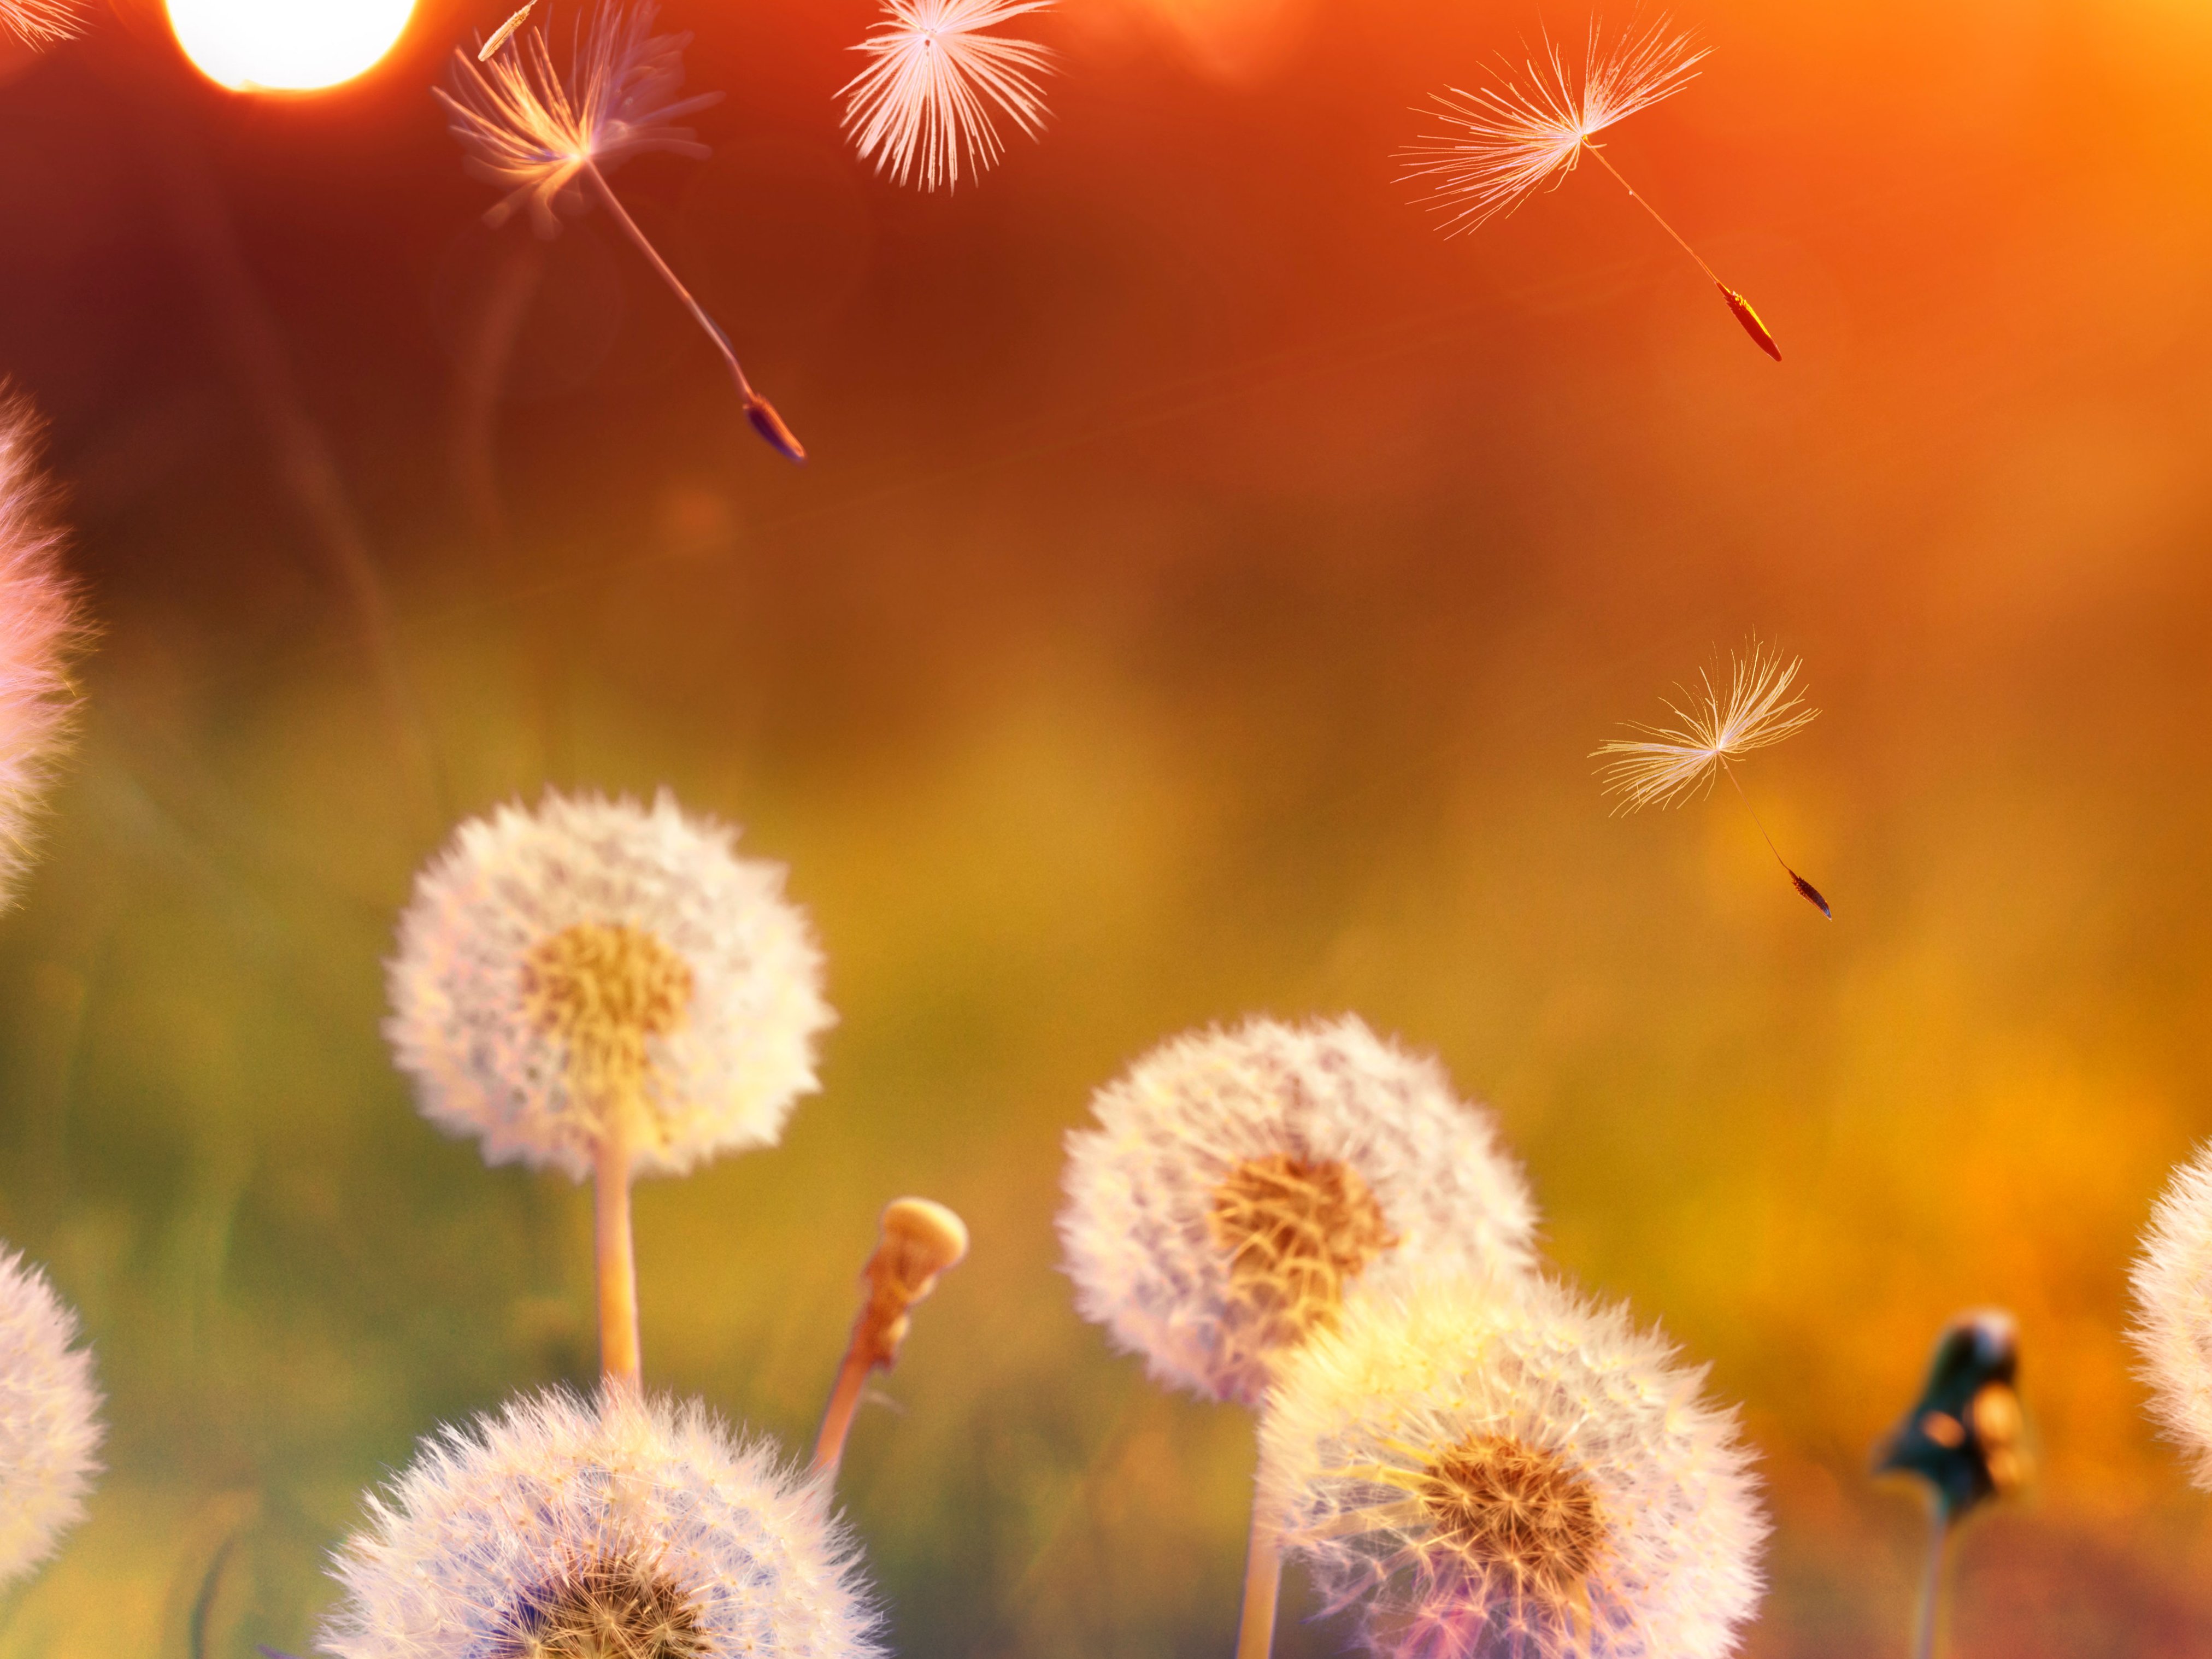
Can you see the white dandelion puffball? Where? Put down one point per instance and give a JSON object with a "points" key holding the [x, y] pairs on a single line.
{"points": [[39, 629], [49, 1418], [565, 1528], [2173, 1284], [1530, 1476], [1244, 1185], [594, 956]]}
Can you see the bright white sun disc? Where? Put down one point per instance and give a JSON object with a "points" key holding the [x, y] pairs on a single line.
{"points": [[287, 45]]}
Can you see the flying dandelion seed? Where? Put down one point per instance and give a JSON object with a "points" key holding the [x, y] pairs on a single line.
{"points": [[1672, 764], [504, 34], [49, 1418], [40, 22], [1524, 1477], [926, 100], [546, 140], [1506, 141]]}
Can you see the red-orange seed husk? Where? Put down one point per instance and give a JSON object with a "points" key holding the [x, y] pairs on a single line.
{"points": [[770, 426], [1749, 318]]}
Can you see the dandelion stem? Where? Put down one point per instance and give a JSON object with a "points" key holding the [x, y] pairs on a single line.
{"points": [[616, 1250], [1654, 212], [844, 1399], [1931, 1585], [1263, 1580], [759, 411], [1811, 893]]}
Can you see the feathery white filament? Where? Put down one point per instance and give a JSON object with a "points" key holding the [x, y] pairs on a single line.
{"points": [[635, 1525], [1482, 1476], [40, 628], [1671, 763], [2172, 1284], [530, 131], [720, 1076], [1243, 1184], [49, 1418], [926, 100], [1508, 140], [40, 22]]}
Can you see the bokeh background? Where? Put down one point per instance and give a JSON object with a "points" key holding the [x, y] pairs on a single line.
{"points": [[1207, 590]]}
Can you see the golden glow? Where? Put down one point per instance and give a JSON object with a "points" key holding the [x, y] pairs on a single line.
{"points": [[287, 45]]}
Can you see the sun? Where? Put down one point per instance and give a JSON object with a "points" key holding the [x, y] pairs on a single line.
{"points": [[287, 45]]}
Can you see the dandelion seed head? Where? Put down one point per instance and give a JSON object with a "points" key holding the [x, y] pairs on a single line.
{"points": [[49, 1418], [2172, 1331], [593, 951], [1502, 142], [1674, 764], [41, 23], [40, 630], [615, 1528], [527, 129], [1476, 1471], [1244, 1187], [925, 102]]}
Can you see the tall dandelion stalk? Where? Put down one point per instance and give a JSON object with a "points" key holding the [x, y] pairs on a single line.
{"points": [[921, 1240], [608, 991], [924, 103], [1504, 141], [547, 140], [1244, 1188], [1670, 764], [1965, 1437]]}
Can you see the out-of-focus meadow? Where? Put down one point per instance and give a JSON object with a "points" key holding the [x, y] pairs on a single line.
{"points": [[1206, 591]]}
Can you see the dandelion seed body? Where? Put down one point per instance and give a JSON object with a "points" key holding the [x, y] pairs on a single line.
{"points": [[40, 22], [610, 1528], [548, 141], [924, 103], [40, 629], [50, 1426], [1478, 1476], [2173, 1284], [1243, 1186], [1506, 141], [504, 34]]}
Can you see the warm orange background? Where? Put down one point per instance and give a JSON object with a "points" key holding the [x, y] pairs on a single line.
{"points": [[1207, 588]]}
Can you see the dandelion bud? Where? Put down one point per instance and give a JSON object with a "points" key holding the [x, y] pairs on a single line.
{"points": [[1244, 1187], [920, 1239], [769, 425], [1963, 1436], [49, 1423]]}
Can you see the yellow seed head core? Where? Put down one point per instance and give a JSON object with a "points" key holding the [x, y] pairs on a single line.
{"points": [[1295, 1232], [1503, 1506], [603, 988], [604, 1607]]}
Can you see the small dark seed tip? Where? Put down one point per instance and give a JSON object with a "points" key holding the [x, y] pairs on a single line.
{"points": [[1744, 314], [1812, 895], [769, 425]]}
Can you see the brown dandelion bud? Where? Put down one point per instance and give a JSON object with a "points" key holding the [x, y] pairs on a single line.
{"points": [[921, 1239]]}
